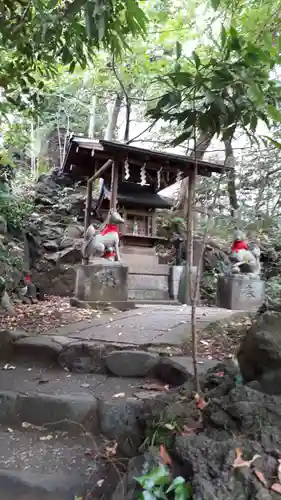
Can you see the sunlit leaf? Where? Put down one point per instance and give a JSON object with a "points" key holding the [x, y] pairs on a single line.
{"points": [[215, 4], [274, 113], [196, 59]]}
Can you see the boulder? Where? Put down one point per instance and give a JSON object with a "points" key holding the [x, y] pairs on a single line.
{"points": [[260, 351], [51, 245], [129, 363], [119, 420], [74, 231], [83, 357], [46, 188], [71, 255]]}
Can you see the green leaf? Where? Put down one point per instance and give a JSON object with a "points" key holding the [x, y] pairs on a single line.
{"points": [[178, 50], [181, 78], [147, 495], [273, 141], [159, 475], [196, 59], [176, 482], [170, 427], [72, 67], [215, 4], [223, 36], [182, 137], [274, 113], [255, 93], [253, 123]]}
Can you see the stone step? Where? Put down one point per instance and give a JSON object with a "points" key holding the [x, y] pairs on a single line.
{"points": [[50, 465], [75, 402], [155, 302]]}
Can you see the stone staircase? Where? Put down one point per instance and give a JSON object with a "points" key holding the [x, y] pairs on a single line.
{"points": [[56, 426]]}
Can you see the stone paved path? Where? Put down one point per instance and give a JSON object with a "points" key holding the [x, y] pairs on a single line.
{"points": [[145, 325]]}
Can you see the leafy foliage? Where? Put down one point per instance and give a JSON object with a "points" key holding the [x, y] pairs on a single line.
{"points": [[37, 35], [230, 88], [158, 484]]}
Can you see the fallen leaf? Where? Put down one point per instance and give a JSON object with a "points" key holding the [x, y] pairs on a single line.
{"points": [[239, 462], [119, 395], [276, 487], [110, 451], [9, 367], [46, 438], [155, 387], [165, 457], [200, 402], [260, 477]]}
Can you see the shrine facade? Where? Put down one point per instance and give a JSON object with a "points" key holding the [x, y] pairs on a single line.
{"points": [[130, 181]]}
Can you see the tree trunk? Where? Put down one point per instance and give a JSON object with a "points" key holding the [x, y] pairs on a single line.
{"points": [[231, 184], [128, 114], [112, 121], [202, 144], [92, 118]]}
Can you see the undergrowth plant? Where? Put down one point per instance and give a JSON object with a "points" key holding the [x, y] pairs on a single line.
{"points": [[158, 484]]}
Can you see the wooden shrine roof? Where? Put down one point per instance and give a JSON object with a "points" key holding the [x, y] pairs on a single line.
{"points": [[131, 194], [137, 157]]}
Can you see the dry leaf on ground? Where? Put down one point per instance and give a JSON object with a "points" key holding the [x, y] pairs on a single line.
{"points": [[260, 477], [155, 387], [200, 402], [164, 455], [239, 462], [50, 313], [110, 451], [276, 487]]}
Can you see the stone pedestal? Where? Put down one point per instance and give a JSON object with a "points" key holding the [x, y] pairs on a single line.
{"points": [[240, 292], [174, 277], [102, 283], [184, 289]]}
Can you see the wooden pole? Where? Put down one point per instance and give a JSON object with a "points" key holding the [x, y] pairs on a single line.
{"points": [[114, 186], [189, 202], [90, 181], [88, 206]]}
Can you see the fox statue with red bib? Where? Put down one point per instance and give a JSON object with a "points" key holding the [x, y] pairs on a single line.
{"points": [[244, 257], [103, 243]]}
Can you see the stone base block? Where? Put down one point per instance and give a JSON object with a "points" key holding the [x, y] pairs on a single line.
{"points": [[102, 281], [120, 305], [240, 292], [184, 289], [174, 277]]}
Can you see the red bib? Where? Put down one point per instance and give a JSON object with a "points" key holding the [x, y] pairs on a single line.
{"points": [[239, 245], [110, 228]]}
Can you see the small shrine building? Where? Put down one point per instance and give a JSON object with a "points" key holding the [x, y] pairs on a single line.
{"points": [[130, 181]]}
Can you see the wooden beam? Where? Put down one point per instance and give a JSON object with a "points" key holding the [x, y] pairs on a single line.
{"points": [[114, 186], [102, 169]]}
